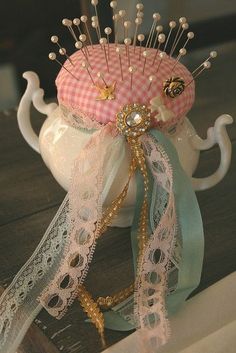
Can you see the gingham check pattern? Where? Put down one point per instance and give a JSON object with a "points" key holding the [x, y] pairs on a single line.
{"points": [[80, 95]]}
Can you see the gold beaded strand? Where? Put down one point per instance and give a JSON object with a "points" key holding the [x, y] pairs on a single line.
{"points": [[112, 211], [137, 152], [110, 301], [91, 307]]}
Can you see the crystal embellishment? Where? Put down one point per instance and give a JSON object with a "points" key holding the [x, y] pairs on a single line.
{"points": [[134, 119]]}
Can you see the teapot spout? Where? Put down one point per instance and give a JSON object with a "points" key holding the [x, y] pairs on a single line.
{"points": [[215, 135], [33, 94]]}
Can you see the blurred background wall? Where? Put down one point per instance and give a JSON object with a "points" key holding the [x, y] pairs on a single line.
{"points": [[27, 25], [195, 10]]}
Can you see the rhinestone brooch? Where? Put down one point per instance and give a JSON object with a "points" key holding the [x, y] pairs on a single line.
{"points": [[133, 120]]}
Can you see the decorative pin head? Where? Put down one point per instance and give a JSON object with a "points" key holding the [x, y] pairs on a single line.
{"points": [[182, 20], [52, 56], [78, 45], [116, 17], [54, 39], [156, 16], [132, 70], [113, 4], [140, 15], [151, 79], [103, 41], [108, 30], [185, 26], [182, 52], [84, 65], [140, 7], [66, 22], [141, 38], [76, 21], [127, 24], [62, 51], [173, 87], [162, 55], [190, 35], [127, 41], [213, 54], [207, 65], [145, 55], [95, 24], [82, 38], [138, 21], [161, 38], [172, 24], [84, 19], [122, 13]]}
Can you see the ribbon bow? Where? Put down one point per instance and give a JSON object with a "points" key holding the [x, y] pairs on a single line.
{"points": [[157, 104]]}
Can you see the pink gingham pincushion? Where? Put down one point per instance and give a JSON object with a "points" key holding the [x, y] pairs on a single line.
{"points": [[80, 96]]}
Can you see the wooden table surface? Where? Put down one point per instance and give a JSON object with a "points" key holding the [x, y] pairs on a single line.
{"points": [[29, 198]]}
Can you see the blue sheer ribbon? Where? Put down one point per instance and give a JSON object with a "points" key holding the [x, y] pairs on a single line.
{"points": [[192, 237]]}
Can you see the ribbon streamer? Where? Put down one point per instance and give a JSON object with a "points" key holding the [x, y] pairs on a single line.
{"points": [[187, 259], [60, 263]]}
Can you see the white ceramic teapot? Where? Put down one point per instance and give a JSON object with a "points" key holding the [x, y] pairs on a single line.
{"points": [[59, 144]]}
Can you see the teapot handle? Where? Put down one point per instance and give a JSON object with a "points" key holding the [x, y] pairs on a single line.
{"points": [[33, 94], [215, 135]]}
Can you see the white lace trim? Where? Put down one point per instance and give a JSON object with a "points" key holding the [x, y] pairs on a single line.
{"points": [[151, 284]]}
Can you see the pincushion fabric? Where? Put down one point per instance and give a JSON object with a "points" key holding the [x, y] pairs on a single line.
{"points": [[80, 96]]}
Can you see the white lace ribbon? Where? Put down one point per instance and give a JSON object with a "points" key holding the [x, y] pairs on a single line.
{"points": [[60, 262], [85, 197], [18, 304], [151, 285], [71, 236]]}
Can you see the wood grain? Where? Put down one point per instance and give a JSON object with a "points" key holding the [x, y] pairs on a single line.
{"points": [[113, 271], [215, 89], [35, 341], [218, 208], [27, 186]]}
